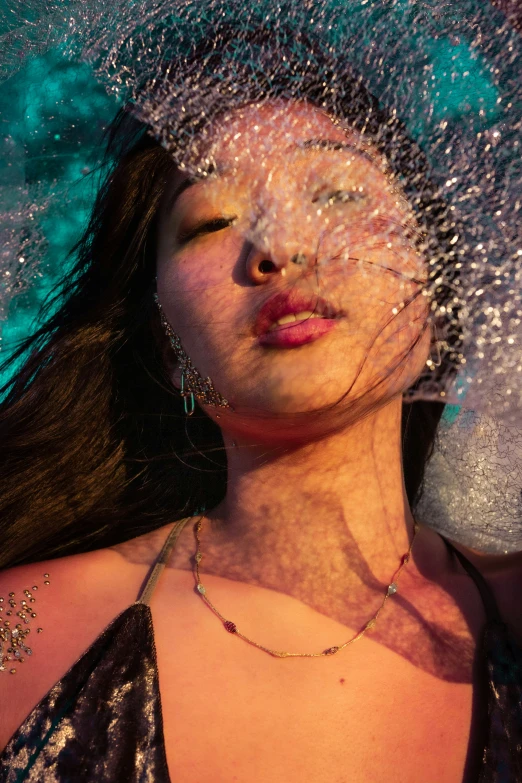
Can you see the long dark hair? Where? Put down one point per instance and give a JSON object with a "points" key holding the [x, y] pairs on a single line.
{"points": [[96, 448]]}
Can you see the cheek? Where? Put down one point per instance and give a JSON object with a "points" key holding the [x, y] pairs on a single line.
{"points": [[390, 311], [197, 291], [208, 260], [192, 276]]}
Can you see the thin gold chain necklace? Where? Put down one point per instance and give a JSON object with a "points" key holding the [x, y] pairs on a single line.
{"points": [[232, 628]]}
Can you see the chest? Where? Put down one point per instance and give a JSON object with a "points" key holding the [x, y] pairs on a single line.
{"points": [[365, 718]]}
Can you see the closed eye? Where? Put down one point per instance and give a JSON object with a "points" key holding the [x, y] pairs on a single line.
{"points": [[204, 227], [327, 198]]}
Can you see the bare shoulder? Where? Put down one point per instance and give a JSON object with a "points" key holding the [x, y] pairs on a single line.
{"points": [[60, 585], [50, 613], [144, 549]]}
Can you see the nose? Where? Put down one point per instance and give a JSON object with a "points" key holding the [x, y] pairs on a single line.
{"points": [[261, 266], [282, 236]]}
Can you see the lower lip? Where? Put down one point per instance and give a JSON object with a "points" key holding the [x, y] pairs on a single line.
{"points": [[298, 333]]}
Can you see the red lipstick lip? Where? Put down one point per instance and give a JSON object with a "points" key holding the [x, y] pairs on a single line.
{"points": [[296, 334], [291, 302]]}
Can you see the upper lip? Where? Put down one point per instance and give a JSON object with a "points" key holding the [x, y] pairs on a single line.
{"points": [[291, 302]]}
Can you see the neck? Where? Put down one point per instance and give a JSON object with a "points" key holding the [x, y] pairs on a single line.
{"points": [[324, 516]]}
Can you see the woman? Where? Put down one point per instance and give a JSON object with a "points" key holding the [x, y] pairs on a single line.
{"points": [[290, 275]]}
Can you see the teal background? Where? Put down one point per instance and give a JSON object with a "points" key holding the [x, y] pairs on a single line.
{"points": [[54, 114]]}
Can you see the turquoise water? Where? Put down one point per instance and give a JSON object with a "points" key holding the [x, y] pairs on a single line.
{"points": [[54, 115]]}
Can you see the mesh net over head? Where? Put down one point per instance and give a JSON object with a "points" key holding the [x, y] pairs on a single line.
{"points": [[427, 198]]}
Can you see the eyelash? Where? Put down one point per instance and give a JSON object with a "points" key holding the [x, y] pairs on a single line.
{"points": [[345, 197], [206, 227]]}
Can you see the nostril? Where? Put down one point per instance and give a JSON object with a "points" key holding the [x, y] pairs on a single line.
{"points": [[266, 266]]}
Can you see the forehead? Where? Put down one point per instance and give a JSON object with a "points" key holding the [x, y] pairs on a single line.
{"points": [[247, 145], [259, 131]]}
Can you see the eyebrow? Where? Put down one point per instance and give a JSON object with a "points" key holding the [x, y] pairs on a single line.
{"points": [[325, 144], [187, 183], [330, 144]]}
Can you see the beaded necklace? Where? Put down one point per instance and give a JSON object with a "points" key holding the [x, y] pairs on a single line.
{"points": [[232, 628]]}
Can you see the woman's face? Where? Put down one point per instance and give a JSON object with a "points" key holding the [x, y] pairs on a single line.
{"points": [[293, 215]]}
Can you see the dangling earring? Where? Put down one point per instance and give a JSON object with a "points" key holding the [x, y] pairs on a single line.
{"points": [[193, 385], [189, 409], [437, 363]]}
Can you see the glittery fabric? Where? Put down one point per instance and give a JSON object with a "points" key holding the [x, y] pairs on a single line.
{"points": [[472, 483], [501, 668], [503, 752], [102, 721]]}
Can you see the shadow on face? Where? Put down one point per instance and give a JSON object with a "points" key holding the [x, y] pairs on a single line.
{"points": [[289, 267]]}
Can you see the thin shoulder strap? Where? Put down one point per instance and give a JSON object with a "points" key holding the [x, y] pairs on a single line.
{"points": [[486, 593], [159, 565]]}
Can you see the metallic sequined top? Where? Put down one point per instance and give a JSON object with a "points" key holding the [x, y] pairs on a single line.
{"points": [[102, 722]]}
